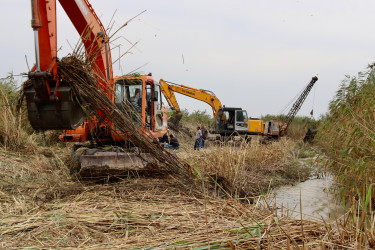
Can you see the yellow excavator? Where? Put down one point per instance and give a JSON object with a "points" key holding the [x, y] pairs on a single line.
{"points": [[232, 121], [229, 121]]}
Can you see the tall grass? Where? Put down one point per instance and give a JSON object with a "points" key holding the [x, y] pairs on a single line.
{"points": [[13, 122], [347, 136], [250, 169]]}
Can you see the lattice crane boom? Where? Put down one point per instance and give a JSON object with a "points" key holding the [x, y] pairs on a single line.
{"points": [[298, 103]]}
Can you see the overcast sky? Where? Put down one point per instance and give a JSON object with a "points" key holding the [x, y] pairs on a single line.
{"points": [[255, 54]]}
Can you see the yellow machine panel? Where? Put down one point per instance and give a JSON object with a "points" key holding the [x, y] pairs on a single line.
{"points": [[256, 126]]}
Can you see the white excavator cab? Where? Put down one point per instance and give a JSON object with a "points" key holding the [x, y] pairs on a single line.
{"points": [[231, 121], [242, 121]]}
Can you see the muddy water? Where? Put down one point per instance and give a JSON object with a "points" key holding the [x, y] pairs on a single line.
{"points": [[315, 196]]}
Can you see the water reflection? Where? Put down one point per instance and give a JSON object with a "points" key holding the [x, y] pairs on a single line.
{"points": [[315, 195]]}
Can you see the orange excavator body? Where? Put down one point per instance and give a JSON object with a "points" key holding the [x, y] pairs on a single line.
{"points": [[49, 99], [153, 115]]}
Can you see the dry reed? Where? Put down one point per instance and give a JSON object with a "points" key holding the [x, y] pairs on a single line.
{"points": [[347, 137], [42, 207], [249, 169]]}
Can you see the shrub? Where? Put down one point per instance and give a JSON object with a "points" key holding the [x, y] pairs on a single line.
{"points": [[197, 118]]}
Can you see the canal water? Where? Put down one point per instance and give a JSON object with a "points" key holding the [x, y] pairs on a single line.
{"points": [[314, 199], [315, 196]]}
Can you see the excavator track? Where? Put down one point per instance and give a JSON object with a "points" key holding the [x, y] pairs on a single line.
{"points": [[89, 162]]}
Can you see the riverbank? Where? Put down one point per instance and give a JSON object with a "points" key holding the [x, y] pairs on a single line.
{"points": [[250, 169], [43, 206], [347, 137]]}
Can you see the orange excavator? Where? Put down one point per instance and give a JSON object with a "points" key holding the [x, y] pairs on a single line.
{"points": [[50, 101]]}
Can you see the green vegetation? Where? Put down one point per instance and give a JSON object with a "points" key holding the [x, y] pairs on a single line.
{"points": [[347, 135], [195, 118], [14, 126]]}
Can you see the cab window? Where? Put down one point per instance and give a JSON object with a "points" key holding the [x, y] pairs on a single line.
{"points": [[241, 116], [119, 93], [129, 90]]}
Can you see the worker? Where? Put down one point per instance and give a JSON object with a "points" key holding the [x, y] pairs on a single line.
{"points": [[173, 143], [137, 95], [198, 138], [224, 119], [163, 139], [137, 101], [204, 135]]}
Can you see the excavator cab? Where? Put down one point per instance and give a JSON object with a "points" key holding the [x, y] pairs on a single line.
{"points": [[139, 97], [241, 120], [230, 121], [129, 94]]}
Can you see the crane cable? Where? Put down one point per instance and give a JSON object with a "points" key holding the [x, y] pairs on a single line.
{"points": [[291, 101], [313, 103]]}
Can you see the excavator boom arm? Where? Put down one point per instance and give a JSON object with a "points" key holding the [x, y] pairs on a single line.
{"points": [[92, 33], [87, 24], [169, 96], [45, 99], [169, 88]]}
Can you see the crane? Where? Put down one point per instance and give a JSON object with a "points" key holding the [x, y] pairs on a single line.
{"points": [[298, 103], [275, 128]]}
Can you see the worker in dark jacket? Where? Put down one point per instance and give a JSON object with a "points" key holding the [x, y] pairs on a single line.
{"points": [[204, 135], [163, 139], [173, 143]]}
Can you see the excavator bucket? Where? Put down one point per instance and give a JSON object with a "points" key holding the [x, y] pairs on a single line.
{"points": [[58, 113], [115, 162]]}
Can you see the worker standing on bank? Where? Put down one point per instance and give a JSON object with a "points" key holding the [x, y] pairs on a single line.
{"points": [[198, 139], [204, 135]]}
